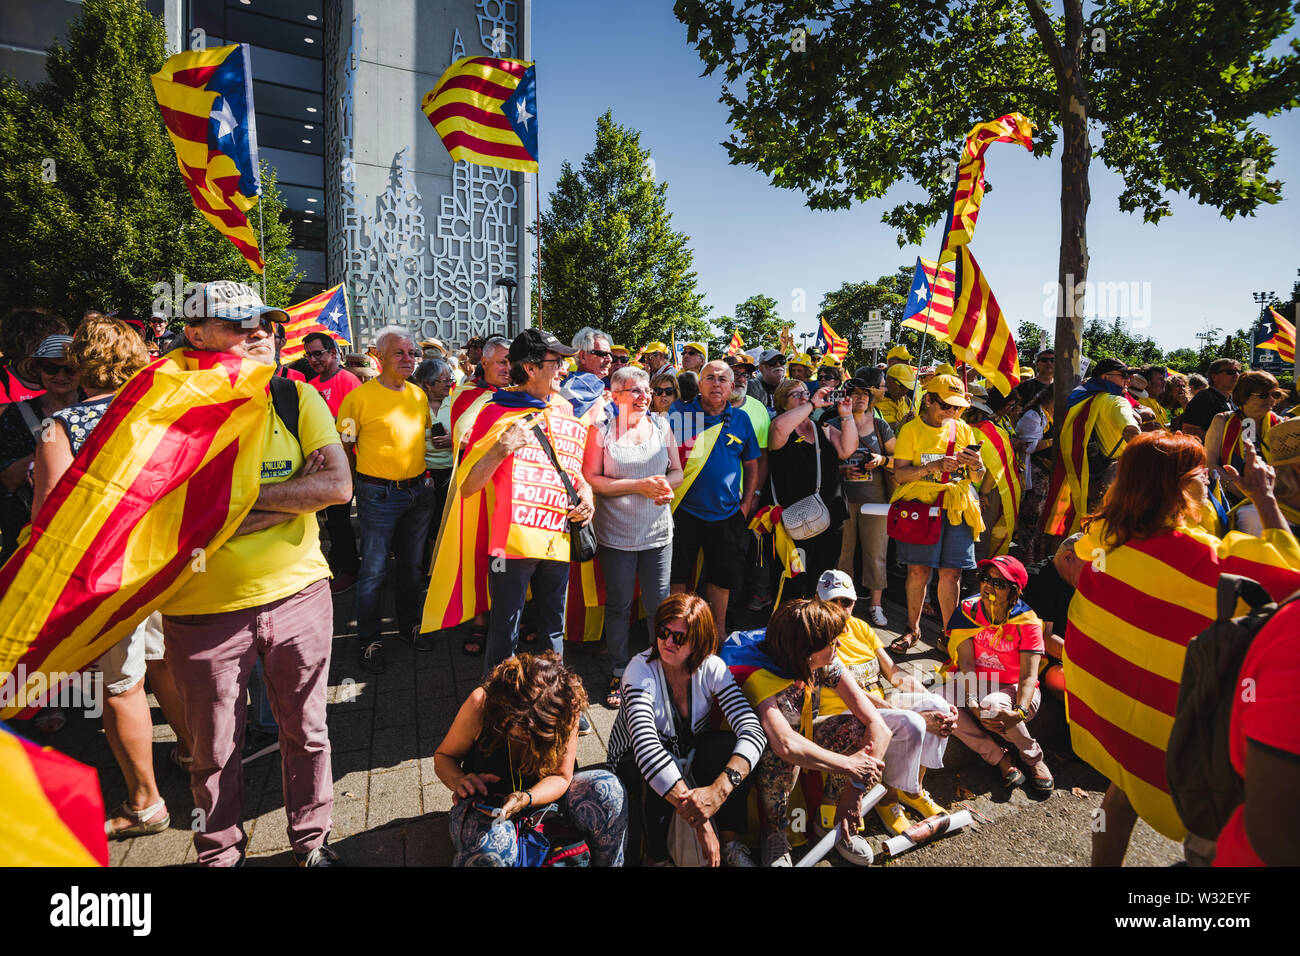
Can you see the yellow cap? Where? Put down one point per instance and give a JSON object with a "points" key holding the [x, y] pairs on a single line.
{"points": [[698, 346], [949, 390], [621, 349], [830, 361], [905, 374], [899, 352], [1026, 372], [655, 347], [801, 358], [944, 369]]}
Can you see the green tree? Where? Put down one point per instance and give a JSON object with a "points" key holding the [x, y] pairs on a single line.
{"points": [[849, 308], [758, 322], [844, 99], [610, 257], [1030, 338], [1113, 340]]}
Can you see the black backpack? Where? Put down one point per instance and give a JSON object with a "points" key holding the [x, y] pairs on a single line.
{"points": [[1206, 790], [284, 399]]}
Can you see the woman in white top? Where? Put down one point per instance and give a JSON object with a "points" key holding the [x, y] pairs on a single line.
{"points": [[633, 465], [662, 734]]}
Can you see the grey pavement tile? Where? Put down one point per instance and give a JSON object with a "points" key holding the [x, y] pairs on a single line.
{"points": [[345, 763], [394, 747], [350, 729], [395, 709], [270, 834], [350, 794], [437, 798], [427, 841], [393, 796], [435, 683], [161, 849], [382, 847]]}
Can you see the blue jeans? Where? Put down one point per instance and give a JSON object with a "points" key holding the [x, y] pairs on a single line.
{"points": [[954, 549], [595, 803], [395, 519], [622, 570], [507, 588]]}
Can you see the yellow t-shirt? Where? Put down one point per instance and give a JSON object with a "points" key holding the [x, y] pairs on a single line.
{"points": [[918, 444], [279, 561], [389, 428], [858, 652], [894, 410], [1161, 413], [1115, 415]]}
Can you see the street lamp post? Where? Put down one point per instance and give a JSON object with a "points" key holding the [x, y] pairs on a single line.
{"points": [[509, 285]]}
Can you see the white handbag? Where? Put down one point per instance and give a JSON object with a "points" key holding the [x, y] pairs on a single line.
{"points": [[807, 517]]}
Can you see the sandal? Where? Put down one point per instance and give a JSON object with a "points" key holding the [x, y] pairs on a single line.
{"points": [[139, 827], [473, 644], [180, 763], [904, 642], [614, 694]]}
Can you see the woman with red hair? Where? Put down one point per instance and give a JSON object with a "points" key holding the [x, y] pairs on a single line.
{"points": [[1148, 588]]}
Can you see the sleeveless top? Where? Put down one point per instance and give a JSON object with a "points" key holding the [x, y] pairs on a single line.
{"points": [[633, 522], [496, 761], [793, 472], [79, 420], [871, 487]]}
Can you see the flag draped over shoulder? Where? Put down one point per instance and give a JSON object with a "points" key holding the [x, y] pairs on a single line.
{"points": [[206, 101], [326, 312], [968, 619], [163, 480], [485, 111], [1280, 338], [1067, 495], [51, 812], [930, 301], [999, 459], [830, 341], [1135, 610], [979, 332]]}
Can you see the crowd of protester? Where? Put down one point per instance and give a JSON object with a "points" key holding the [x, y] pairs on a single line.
{"points": [[702, 494]]}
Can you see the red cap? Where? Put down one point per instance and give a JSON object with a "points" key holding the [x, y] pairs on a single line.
{"points": [[1010, 567]]}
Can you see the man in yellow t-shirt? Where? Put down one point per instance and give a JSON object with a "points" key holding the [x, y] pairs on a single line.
{"points": [[896, 406], [264, 593], [924, 469], [382, 424]]}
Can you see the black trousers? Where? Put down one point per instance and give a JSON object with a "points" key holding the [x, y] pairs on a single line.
{"points": [[649, 814], [342, 555]]}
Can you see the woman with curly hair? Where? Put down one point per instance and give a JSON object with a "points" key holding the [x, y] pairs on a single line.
{"points": [[511, 749]]}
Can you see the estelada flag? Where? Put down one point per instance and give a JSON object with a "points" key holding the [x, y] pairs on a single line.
{"points": [[1136, 608], [206, 101], [930, 300], [485, 110], [1280, 338], [830, 341], [51, 811], [163, 481], [979, 332], [735, 346], [325, 312]]}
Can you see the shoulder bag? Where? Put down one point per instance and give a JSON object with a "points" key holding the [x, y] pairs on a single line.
{"points": [[807, 517], [582, 537], [916, 522]]}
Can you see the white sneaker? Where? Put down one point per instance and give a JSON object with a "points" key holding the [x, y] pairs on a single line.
{"points": [[878, 616], [857, 850], [322, 855], [734, 853], [776, 850]]}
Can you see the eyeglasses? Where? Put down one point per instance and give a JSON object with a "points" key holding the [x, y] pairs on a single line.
{"points": [[315, 353], [665, 633], [1046, 358], [1000, 584], [634, 390], [599, 353], [661, 392], [53, 368], [1275, 394], [619, 359]]}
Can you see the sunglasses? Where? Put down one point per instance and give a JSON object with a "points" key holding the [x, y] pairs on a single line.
{"points": [[665, 391], [946, 407], [599, 353], [619, 359], [1000, 584], [678, 638], [1276, 394], [53, 368]]}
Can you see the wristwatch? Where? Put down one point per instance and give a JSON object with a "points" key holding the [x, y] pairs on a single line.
{"points": [[1020, 712], [733, 775]]}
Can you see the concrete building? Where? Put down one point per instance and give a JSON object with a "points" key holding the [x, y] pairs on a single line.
{"points": [[374, 200]]}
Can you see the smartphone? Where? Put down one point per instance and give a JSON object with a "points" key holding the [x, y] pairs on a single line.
{"points": [[487, 807], [438, 430], [975, 448], [836, 396]]}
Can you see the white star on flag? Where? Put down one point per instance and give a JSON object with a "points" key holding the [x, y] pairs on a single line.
{"points": [[226, 121], [334, 316], [920, 295], [523, 116]]}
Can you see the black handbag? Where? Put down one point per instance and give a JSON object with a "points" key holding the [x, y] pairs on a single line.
{"points": [[582, 537]]}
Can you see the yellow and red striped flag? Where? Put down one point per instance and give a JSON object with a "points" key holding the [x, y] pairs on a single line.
{"points": [[161, 483], [1282, 340], [999, 459], [1135, 610], [930, 301], [735, 346], [485, 110], [968, 192], [51, 811], [326, 312], [979, 333], [786, 341], [830, 341], [206, 101], [1009, 128]]}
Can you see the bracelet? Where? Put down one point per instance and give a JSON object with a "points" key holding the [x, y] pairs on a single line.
{"points": [[529, 794]]}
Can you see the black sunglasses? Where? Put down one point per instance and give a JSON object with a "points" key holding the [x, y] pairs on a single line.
{"points": [[665, 391], [1001, 584], [619, 359], [664, 634], [599, 353], [53, 368]]}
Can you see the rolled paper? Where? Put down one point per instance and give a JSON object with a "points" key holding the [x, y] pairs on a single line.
{"points": [[873, 509], [927, 830], [823, 846]]}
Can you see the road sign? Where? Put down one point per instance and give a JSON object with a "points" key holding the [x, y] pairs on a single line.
{"points": [[875, 333]]}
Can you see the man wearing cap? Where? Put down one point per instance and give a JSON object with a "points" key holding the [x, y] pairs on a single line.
{"points": [[896, 407], [382, 424], [655, 356], [771, 372], [1209, 402], [934, 456], [898, 355], [800, 367], [619, 357], [262, 593], [535, 549], [694, 355], [713, 502]]}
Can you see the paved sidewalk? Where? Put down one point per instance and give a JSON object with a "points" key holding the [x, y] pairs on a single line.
{"points": [[390, 809]]}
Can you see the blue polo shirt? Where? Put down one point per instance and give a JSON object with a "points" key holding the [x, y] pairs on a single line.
{"points": [[715, 493]]}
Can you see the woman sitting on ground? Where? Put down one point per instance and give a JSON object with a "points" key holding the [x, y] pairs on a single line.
{"points": [[511, 749], [662, 734], [997, 642]]}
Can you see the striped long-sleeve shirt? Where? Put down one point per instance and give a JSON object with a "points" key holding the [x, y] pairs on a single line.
{"points": [[645, 724]]}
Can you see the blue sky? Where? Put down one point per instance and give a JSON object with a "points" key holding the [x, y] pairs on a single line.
{"points": [[748, 237]]}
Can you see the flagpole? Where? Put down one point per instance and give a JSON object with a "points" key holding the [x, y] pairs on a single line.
{"points": [[537, 188], [261, 244]]}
